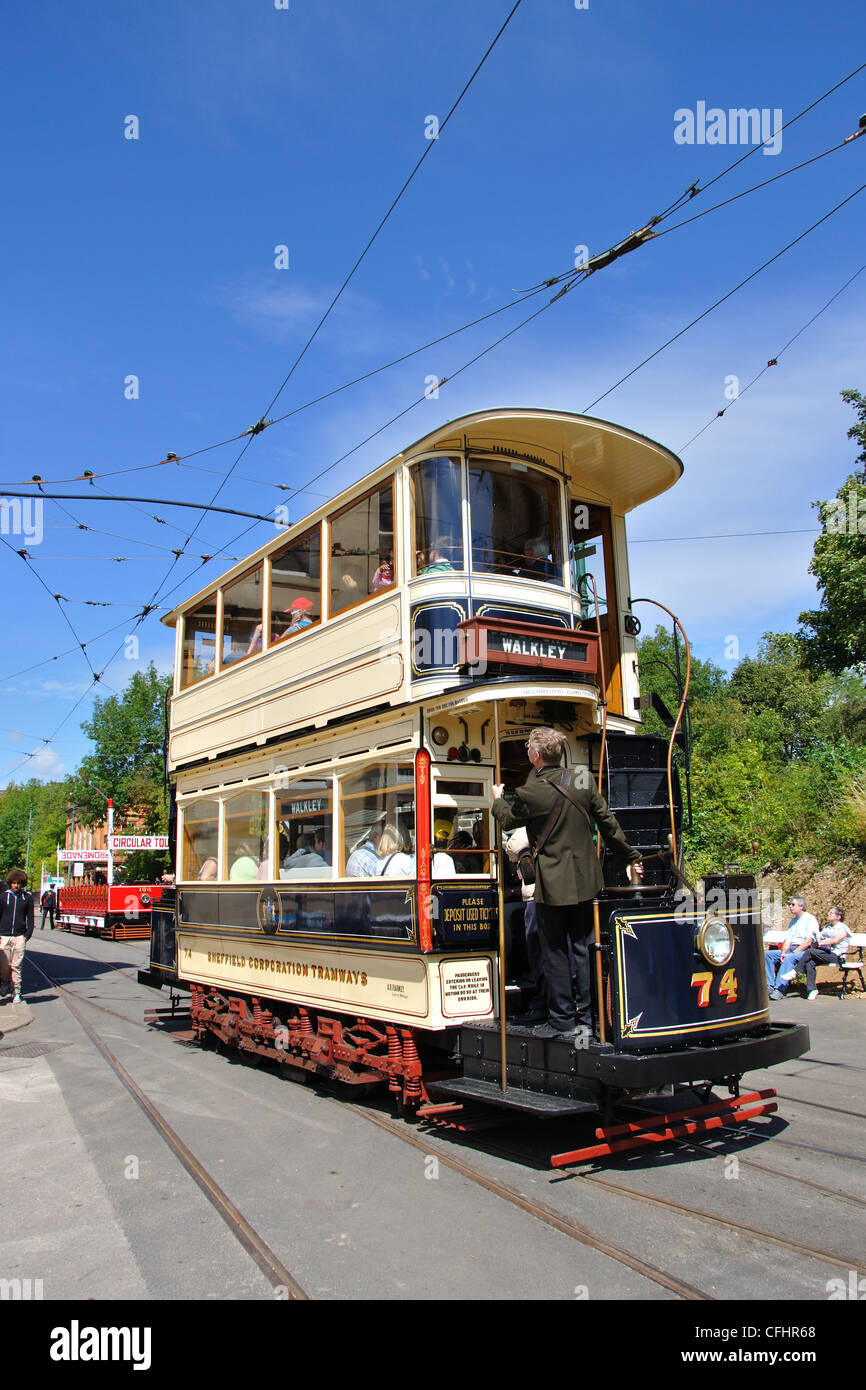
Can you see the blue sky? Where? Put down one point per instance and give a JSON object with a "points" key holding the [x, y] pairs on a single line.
{"points": [[260, 127]]}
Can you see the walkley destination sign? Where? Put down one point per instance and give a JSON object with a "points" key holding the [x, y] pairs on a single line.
{"points": [[495, 642]]}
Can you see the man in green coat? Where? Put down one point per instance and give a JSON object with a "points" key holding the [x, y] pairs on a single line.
{"points": [[567, 874]]}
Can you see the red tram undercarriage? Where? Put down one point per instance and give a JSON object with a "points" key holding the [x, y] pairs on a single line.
{"points": [[364, 1053], [356, 1052]]}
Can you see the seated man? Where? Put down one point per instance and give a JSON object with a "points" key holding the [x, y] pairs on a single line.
{"points": [[831, 947], [802, 931]]}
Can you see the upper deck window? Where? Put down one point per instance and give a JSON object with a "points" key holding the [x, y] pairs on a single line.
{"points": [[242, 617], [437, 501], [515, 522], [198, 658], [296, 586], [362, 561]]}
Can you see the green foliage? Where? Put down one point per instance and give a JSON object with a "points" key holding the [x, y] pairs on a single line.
{"points": [[778, 759], [127, 761], [788, 705], [657, 662], [47, 825], [834, 635]]}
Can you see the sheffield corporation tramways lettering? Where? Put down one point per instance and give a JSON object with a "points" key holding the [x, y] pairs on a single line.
{"points": [[289, 967]]}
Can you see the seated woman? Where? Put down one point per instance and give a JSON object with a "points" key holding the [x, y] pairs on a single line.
{"points": [[244, 867], [394, 860]]}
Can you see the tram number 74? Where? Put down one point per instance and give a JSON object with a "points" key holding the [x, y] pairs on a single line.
{"points": [[702, 981]]}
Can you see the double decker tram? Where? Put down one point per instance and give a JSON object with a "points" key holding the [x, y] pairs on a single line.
{"points": [[345, 700]]}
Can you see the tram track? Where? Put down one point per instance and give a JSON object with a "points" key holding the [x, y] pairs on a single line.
{"points": [[262, 1254], [506, 1192], [540, 1210], [680, 1209], [259, 1251]]}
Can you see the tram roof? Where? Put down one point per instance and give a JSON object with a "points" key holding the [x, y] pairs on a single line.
{"points": [[613, 465]]}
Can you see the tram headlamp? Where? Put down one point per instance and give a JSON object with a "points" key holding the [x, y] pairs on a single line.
{"points": [[715, 940], [439, 735]]}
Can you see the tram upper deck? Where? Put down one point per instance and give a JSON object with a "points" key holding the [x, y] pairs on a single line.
{"points": [[462, 560]]}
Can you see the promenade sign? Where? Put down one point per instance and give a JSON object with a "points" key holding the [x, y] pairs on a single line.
{"points": [[82, 856], [120, 842]]}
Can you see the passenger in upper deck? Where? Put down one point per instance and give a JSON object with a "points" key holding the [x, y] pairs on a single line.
{"points": [[298, 614], [536, 563], [437, 560], [383, 577]]}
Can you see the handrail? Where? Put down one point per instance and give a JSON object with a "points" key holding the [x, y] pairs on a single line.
{"points": [[684, 697]]}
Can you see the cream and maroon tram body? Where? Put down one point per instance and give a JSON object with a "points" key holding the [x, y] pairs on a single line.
{"points": [[344, 700]]}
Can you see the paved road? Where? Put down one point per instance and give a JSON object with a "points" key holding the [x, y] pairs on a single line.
{"points": [[354, 1213]]}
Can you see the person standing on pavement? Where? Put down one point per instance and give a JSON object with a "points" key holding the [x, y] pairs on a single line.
{"points": [[567, 873], [16, 928], [48, 903]]}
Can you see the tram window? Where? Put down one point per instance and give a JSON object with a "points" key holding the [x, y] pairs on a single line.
{"points": [[589, 553], [362, 559], [438, 507], [296, 586], [305, 829], [242, 617], [378, 818], [461, 839], [199, 644], [247, 854], [515, 522], [198, 858]]}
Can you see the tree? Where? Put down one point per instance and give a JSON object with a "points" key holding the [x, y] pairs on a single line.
{"points": [[657, 664], [788, 704], [127, 763], [47, 826], [834, 635]]}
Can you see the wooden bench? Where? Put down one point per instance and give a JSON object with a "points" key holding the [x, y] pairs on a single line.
{"points": [[852, 964]]}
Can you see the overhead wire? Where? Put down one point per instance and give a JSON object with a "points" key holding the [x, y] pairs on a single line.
{"points": [[628, 244], [773, 361], [725, 297]]}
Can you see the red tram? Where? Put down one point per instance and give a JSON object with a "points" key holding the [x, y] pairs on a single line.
{"points": [[120, 912]]}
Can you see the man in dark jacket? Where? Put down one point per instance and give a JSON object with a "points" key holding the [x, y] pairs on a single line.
{"points": [[48, 902], [567, 873], [16, 928]]}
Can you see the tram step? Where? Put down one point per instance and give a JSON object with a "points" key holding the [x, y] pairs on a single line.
{"points": [[543, 1107]]}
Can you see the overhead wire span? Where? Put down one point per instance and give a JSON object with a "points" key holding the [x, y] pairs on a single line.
{"points": [[773, 361], [725, 297], [600, 261], [263, 422]]}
